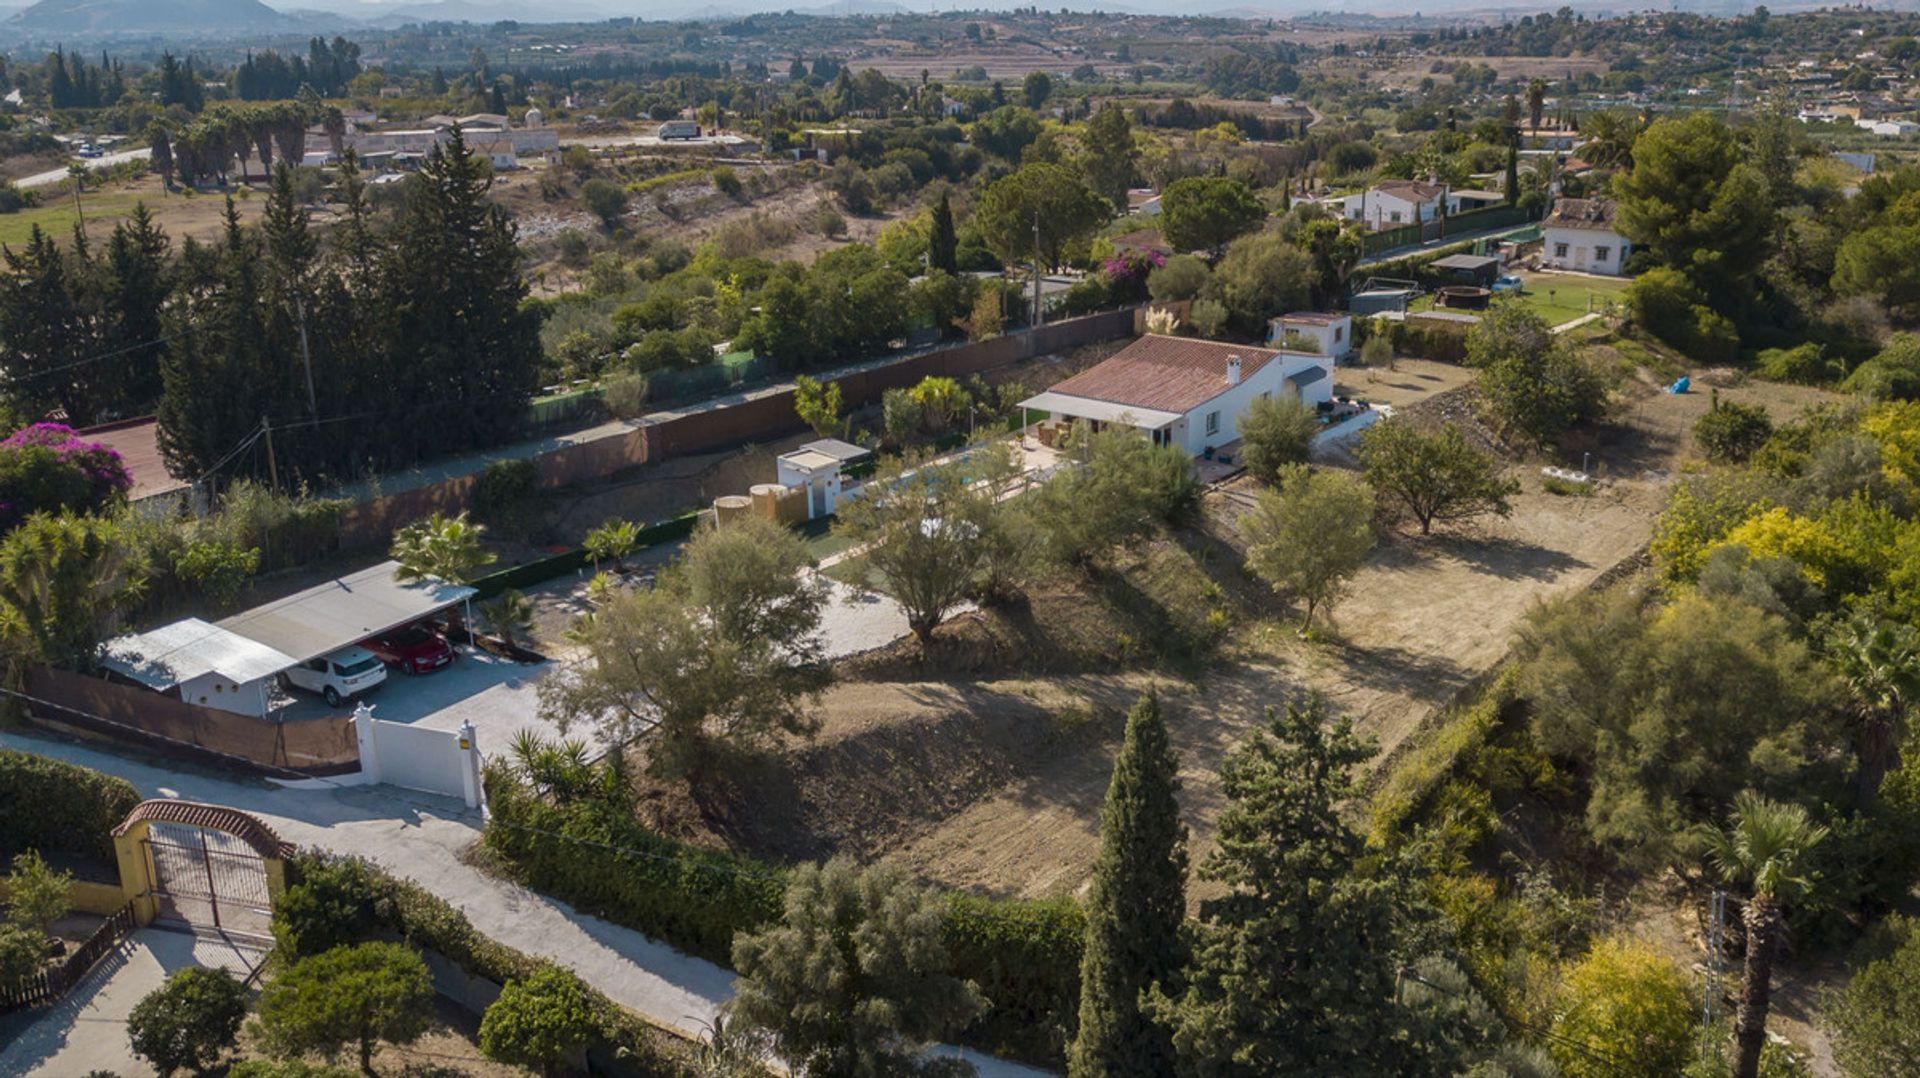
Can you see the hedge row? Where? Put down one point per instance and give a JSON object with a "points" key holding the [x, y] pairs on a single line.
{"points": [[1025, 956], [1421, 772], [52, 806], [539, 572], [429, 922]]}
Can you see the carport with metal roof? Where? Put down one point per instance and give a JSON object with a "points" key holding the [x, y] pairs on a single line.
{"points": [[344, 611]]}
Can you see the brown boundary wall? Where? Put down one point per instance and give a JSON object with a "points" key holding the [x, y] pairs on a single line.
{"points": [[752, 419], [324, 746]]}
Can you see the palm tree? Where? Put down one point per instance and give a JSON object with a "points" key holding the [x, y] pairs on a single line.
{"points": [[78, 173], [613, 541], [1536, 101], [508, 614], [443, 548], [1880, 663], [1610, 138], [1763, 848]]}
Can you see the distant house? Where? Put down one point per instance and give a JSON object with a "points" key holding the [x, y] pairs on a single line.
{"points": [[1392, 203], [1579, 234], [499, 152], [1185, 392], [1331, 333], [1464, 200], [1144, 201], [1549, 137], [1146, 241], [1889, 128]]}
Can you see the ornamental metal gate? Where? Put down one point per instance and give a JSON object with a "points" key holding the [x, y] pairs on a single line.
{"points": [[202, 878]]}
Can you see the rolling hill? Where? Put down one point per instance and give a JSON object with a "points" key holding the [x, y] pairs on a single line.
{"points": [[197, 18]]}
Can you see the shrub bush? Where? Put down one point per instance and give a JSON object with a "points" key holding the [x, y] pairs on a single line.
{"points": [[503, 489], [1025, 956], [331, 906], [188, 1022], [1805, 364], [348, 998], [539, 1022], [51, 806], [1730, 433]]}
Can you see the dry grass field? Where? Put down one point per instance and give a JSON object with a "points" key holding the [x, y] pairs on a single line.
{"points": [[983, 765]]}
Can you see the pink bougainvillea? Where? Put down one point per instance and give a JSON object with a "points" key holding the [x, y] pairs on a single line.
{"points": [[49, 467]]}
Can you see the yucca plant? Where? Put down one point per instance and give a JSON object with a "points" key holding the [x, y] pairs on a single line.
{"points": [[507, 615], [613, 541]]}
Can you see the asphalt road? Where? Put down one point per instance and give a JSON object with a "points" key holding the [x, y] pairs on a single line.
{"points": [[98, 164]]}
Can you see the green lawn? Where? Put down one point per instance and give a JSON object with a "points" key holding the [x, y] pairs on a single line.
{"points": [[55, 216], [1562, 299], [1554, 297]]}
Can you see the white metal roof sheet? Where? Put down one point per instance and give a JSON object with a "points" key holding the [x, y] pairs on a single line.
{"points": [[1100, 411], [164, 657], [344, 611]]}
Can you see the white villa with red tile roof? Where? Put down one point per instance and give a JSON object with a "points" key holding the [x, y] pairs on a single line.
{"points": [[1185, 392]]}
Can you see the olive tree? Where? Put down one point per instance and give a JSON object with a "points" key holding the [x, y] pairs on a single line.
{"points": [[1309, 535], [1437, 476], [725, 648], [931, 531], [1276, 432]]}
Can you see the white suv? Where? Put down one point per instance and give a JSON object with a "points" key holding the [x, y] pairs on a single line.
{"points": [[339, 677]]}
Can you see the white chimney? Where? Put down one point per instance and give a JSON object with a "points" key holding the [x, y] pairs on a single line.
{"points": [[1233, 370]]}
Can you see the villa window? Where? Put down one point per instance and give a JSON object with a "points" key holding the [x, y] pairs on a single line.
{"points": [[1213, 422], [1600, 253], [1559, 250]]}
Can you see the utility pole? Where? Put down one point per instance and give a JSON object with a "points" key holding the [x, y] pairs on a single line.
{"points": [[306, 357], [1034, 320], [273, 468]]}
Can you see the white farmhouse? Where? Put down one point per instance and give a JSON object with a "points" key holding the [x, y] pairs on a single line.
{"points": [[1330, 332], [1185, 392], [1579, 235], [1392, 203]]}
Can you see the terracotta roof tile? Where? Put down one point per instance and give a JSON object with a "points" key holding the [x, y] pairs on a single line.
{"points": [[247, 828], [1589, 213], [1165, 374]]}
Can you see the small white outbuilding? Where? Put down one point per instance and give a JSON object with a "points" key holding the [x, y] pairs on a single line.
{"points": [[199, 663]]}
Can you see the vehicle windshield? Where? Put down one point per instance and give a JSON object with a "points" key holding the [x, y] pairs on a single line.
{"points": [[410, 636], [361, 667]]}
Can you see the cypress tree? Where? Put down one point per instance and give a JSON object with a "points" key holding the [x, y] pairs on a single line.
{"points": [[943, 243], [1135, 908], [1513, 176], [138, 281]]}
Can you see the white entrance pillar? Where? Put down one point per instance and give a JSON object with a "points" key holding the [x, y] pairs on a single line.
{"points": [[469, 765], [364, 733]]}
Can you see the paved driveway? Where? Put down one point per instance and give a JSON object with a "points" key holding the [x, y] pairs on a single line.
{"points": [[422, 837], [87, 1031]]}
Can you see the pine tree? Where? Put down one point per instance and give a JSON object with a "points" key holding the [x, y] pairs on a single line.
{"points": [[1135, 908], [1293, 969], [943, 243], [1110, 155]]}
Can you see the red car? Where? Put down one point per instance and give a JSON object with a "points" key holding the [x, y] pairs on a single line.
{"points": [[411, 649]]}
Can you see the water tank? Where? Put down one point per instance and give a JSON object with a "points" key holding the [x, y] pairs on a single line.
{"points": [[731, 507]]}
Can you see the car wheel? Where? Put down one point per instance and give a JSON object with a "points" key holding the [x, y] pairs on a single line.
{"points": [[333, 696]]}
